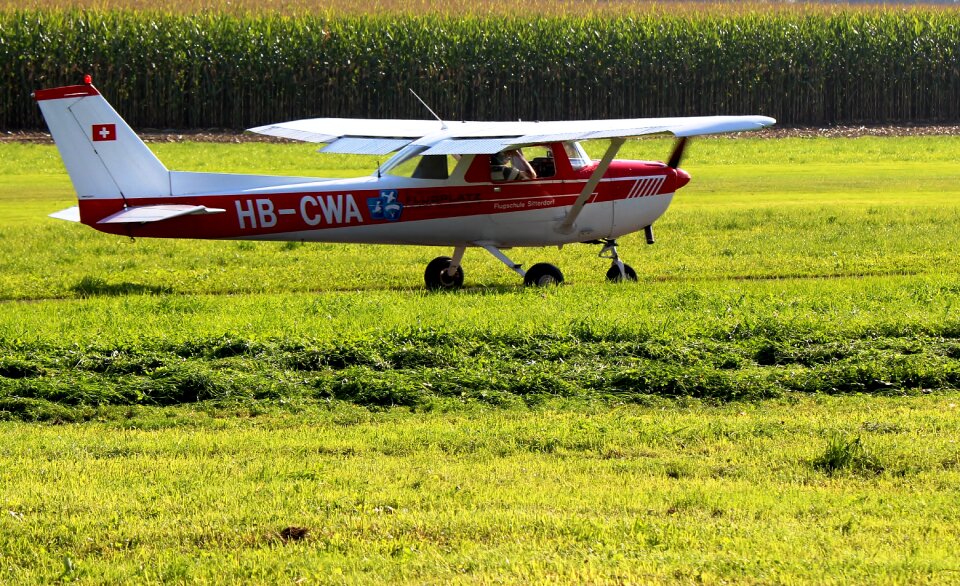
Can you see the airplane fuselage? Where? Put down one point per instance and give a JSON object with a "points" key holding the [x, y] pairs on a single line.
{"points": [[402, 210]]}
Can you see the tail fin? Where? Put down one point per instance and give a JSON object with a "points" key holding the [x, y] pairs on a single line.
{"points": [[103, 156]]}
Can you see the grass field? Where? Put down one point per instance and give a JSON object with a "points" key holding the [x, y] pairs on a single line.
{"points": [[452, 7], [774, 401], [680, 493]]}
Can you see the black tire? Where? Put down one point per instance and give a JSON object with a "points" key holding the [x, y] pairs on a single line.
{"points": [[436, 276], [542, 274], [614, 276]]}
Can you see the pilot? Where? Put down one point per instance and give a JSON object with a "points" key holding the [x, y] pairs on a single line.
{"points": [[510, 166]]}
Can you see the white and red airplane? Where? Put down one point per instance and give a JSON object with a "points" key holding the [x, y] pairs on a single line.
{"points": [[453, 184]]}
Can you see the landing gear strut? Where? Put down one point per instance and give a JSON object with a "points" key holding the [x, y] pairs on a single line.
{"points": [[619, 271], [539, 275], [445, 273]]}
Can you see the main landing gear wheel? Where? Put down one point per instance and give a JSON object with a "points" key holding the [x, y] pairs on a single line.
{"points": [[436, 276], [542, 274], [615, 276]]}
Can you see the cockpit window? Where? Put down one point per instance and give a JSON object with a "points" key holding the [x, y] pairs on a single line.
{"points": [[578, 157], [541, 159], [410, 163], [403, 155], [511, 165], [419, 166]]}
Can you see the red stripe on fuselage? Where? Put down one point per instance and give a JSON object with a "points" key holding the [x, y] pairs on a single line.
{"points": [[262, 214]]}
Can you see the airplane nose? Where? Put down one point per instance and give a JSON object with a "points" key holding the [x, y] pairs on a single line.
{"points": [[682, 179]]}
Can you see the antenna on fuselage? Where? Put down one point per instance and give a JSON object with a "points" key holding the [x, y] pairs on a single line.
{"points": [[443, 125]]}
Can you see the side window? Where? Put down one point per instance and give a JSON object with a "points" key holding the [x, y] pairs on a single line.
{"points": [[501, 169], [541, 159], [511, 165]]}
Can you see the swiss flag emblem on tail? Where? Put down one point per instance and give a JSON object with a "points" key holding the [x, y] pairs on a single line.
{"points": [[104, 132]]}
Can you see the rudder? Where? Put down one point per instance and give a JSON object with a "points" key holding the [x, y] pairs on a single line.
{"points": [[102, 154]]}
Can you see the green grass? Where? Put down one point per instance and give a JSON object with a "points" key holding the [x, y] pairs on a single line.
{"points": [[679, 493], [774, 402]]}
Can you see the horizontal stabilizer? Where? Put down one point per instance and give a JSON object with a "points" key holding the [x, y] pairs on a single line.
{"points": [[70, 214], [157, 213]]}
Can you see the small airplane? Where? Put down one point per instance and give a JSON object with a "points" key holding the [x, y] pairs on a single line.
{"points": [[452, 184]]}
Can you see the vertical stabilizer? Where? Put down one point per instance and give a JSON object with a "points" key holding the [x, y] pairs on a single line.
{"points": [[103, 156]]}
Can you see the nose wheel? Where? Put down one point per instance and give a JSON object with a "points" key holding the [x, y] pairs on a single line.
{"points": [[619, 271], [616, 274]]}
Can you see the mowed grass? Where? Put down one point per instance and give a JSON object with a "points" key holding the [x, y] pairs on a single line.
{"points": [[774, 401], [679, 493], [419, 7]]}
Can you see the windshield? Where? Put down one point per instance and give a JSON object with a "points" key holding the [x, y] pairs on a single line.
{"points": [[402, 155], [413, 164], [578, 157]]}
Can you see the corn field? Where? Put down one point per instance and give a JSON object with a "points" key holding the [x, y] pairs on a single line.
{"points": [[215, 70]]}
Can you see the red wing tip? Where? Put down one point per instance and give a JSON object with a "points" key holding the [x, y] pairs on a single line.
{"points": [[70, 91]]}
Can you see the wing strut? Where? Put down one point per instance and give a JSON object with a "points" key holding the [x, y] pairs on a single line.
{"points": [[567, 226]]}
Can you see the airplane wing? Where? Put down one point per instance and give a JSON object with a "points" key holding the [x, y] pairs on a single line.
{"points": [[489, 138], [359, 136], [365, 136]]}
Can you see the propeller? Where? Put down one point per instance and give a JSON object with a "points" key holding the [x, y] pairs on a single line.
{"points": [[677, 155]]}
